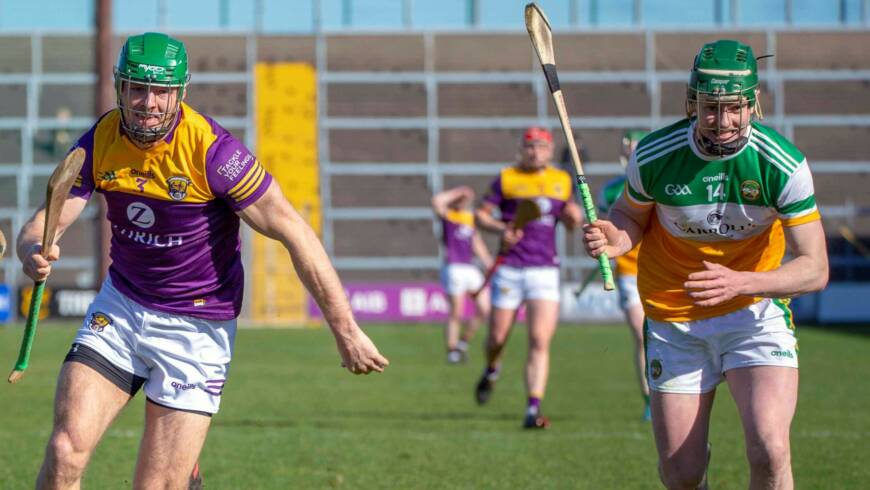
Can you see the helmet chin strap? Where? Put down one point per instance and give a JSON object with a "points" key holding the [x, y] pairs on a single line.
{"points": [[712, 148]]}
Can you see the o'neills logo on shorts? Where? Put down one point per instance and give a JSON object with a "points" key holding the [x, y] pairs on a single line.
{"points": [[183, 387], [782, 353]]}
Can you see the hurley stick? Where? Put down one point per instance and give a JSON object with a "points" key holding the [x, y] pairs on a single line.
{"points": [[527, 211], [59, 184], [850, 237], [542, 40]]}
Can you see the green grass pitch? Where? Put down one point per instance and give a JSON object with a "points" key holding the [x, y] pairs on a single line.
{"points": [[291, 418]]}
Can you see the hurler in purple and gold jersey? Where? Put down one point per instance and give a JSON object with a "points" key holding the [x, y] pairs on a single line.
{"points": [[164, 321], [550, 188], [529, 273], [175, 235], [459, 275], [457, 233]]}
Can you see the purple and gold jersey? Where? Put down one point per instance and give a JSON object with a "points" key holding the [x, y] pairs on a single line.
{"points": [[458, 228], [550, 188], [175, 233]]}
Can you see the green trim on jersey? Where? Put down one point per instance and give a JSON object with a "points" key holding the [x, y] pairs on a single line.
{"points": [[672, 174], [782, 304]]}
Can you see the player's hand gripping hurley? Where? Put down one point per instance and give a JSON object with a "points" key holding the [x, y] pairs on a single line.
{"points": [[542, 40], [527, 211], [59, 184]]}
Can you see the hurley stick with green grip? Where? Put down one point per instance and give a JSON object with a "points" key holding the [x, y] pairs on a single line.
{"points": [[542, 40], [59, 184]]}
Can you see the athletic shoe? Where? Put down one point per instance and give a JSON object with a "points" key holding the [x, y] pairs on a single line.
{"points": [[484, 389], [454, 356], [195, 479], [647, 413], [536, 422]]}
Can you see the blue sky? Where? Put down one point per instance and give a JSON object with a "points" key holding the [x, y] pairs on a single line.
{"points": [[299, 15]]}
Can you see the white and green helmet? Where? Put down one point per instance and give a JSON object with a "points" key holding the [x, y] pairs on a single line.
{"points": [[151, 59], [724, 72]]}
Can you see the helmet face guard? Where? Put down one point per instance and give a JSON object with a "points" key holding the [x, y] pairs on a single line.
{"points": [[148, 63], [130, 112], [724, 81]]}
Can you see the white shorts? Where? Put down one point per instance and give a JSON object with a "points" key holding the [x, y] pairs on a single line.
{"points": [[628, 295], [459, 279], [184, 360], [513, 285], [692, 357]]}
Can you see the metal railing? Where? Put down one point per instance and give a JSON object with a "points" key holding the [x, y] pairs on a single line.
{"points": [[24, 167]]}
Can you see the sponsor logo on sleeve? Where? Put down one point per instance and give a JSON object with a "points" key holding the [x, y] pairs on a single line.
{"points": [[235, 165]]}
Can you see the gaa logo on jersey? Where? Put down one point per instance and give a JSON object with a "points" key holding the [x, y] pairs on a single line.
{"points": [[177, 187], [750, 190], [99, 321]]}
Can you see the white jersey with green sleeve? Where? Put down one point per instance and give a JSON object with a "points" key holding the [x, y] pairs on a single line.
{"points": [[727, 210]]}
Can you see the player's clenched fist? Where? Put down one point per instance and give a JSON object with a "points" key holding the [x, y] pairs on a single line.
{"points": [[601, 237], [36, 265], [359, 354]]}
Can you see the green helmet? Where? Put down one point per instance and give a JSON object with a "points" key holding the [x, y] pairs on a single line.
{"points": [[630, 139], [146, 61], [724, 73]]}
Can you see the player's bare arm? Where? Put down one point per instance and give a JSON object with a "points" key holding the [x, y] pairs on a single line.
{"points": [[805, 273], [274, 217], [621, 233], [442, 201], [571, 215], [480, 250], [484, 215], [29, 246]]}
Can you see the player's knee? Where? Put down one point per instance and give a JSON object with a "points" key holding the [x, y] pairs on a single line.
{"points": [[681, 474], [539, 347], [769, 456], [495, 341], [66, 455]]}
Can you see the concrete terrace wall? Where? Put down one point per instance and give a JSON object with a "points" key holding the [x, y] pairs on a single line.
{"points": [[406, 114]]}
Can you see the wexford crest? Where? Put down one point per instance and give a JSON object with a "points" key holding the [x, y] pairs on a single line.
{"points": [[177, 187]]}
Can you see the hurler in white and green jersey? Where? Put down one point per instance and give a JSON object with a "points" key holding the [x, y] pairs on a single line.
{"points": [[725, 209]]}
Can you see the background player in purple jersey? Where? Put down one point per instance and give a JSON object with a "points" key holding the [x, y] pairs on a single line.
{"points": [[176, 184], [530, 273], [459, 275]]}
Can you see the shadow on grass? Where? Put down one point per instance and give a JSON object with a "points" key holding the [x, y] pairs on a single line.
{"points": [[330, 420], [861, 329]]}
